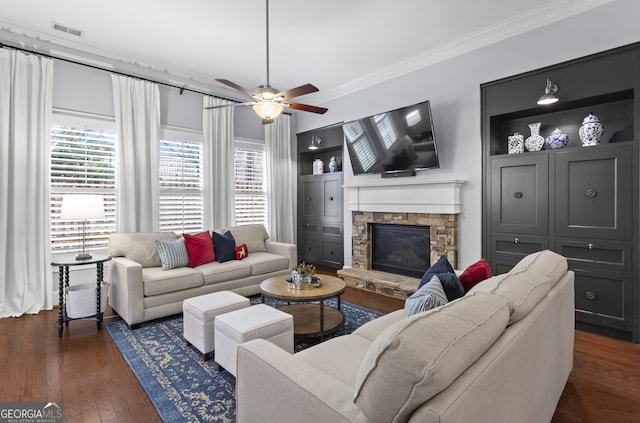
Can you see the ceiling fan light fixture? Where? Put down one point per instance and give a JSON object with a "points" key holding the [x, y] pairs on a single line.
{"points": [[268, 110]]}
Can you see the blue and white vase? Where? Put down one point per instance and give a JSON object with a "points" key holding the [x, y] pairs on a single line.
{"points": [[591, 130], [333, 164], [557, 139], [516, 143], [535, 142]]}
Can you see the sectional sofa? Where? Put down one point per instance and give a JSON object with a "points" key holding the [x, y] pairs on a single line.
{"points": [[501, 353]]}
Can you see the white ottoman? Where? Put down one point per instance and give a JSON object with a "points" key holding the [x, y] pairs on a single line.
{"points": [[199, 314], [256, 322]]}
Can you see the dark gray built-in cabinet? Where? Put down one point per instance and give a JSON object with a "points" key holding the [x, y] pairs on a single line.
{"points": [[320, 200], [581, 202]]}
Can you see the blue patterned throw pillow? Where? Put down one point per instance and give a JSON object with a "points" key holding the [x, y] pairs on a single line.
{"points": [[224, 246], [172, 254], [430, 295]]}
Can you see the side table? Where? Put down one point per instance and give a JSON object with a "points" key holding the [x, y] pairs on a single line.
{"points": [[63, 282]]}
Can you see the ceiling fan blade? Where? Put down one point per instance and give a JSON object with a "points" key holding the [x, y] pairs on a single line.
{"points": [[297, 91], [307, 108], [237, 87], [248, 103]]}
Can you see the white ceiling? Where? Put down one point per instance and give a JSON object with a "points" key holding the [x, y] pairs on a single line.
{"points": [[338, 45]]}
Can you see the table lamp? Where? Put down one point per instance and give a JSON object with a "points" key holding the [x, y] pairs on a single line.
{"points": [[82, 207]]}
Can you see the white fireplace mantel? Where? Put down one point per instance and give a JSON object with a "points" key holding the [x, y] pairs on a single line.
{"points": [[405, 196]]}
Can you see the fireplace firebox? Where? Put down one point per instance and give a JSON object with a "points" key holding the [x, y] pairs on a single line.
{"points": [[400, 249]]}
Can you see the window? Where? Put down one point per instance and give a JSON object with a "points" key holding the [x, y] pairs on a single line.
{"points": [[250, 180], [181, 182], [82, 162]]}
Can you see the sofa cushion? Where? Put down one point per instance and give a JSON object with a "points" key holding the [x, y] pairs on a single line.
{"points": [[252, 235], [172, 254], [524, 290], [448, 278], [339, 357], [544, 262], [418, 357], [477, 272], [373, 328], [139, 247], [199, 248], [215, 272], [156, 281], [262, 263], [223, 246], [430, 295]]}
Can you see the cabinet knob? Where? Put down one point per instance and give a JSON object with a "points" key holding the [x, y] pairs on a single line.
{"points": [[517, 194], [308, 198], [515, 241], [591, 295], [330, 198], [591, 193], [309, 248], [590, 246], [331, 252]]}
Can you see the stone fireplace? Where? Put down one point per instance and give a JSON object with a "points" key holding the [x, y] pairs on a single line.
{"points": [[434, 205]]}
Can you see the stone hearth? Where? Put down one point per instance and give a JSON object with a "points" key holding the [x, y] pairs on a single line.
{"points": [[444, 242]]}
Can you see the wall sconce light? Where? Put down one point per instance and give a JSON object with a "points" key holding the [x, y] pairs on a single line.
{"points": [[549, 91], [315, 142]]}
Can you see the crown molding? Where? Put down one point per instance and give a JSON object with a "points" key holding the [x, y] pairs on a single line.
{"points": [[58, 47], [66, 49], [533, 19]]}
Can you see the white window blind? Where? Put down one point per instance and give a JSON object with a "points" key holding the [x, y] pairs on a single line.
{"points": [[181, 186], [82, 162], [250, 181]]}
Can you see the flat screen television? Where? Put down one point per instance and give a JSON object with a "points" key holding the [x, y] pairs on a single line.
{"points": [[393, 143]]}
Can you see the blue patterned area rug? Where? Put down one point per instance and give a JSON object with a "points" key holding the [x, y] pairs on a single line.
{"points": [[181, 386]]}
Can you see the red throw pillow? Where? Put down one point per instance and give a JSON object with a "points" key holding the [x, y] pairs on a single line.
{"points": [[241, 251], [199, 248], [475, 273]]}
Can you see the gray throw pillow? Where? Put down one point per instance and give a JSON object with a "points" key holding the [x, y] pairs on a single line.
{"points": [[172, 254], [430, 295]]}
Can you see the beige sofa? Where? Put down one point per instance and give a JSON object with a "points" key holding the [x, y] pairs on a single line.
{"points": [[140, 290], [501, 353]]}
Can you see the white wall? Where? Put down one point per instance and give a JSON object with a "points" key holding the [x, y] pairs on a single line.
{"points": [[453, 87]]}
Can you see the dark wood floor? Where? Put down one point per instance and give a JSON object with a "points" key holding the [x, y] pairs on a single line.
{"points": [[85, 370]]}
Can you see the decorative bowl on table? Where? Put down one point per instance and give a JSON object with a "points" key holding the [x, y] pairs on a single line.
{"points": [[315, 282]]}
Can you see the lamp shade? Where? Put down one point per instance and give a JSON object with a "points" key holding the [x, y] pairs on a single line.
{"points": [[268, 109], [82, 207]]}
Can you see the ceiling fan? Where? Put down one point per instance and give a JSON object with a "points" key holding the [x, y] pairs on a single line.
{"points": [[268, 102]]}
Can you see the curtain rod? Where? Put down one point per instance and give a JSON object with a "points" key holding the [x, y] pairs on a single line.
{"points": [[182, 89]]}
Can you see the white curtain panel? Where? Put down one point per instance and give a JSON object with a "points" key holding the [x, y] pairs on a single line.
{"points": [[137, 110], [219, 180], [26, 83], [280, 179]]}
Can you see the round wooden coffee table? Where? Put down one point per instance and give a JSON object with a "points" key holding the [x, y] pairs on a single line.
{"points": [[309, 317]]}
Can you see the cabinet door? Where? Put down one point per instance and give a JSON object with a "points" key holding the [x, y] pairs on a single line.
{"points": [[308, 249], [603, 298], [519, 194], [309, 197], [332, 253], [594, 196], [331, 198]]}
